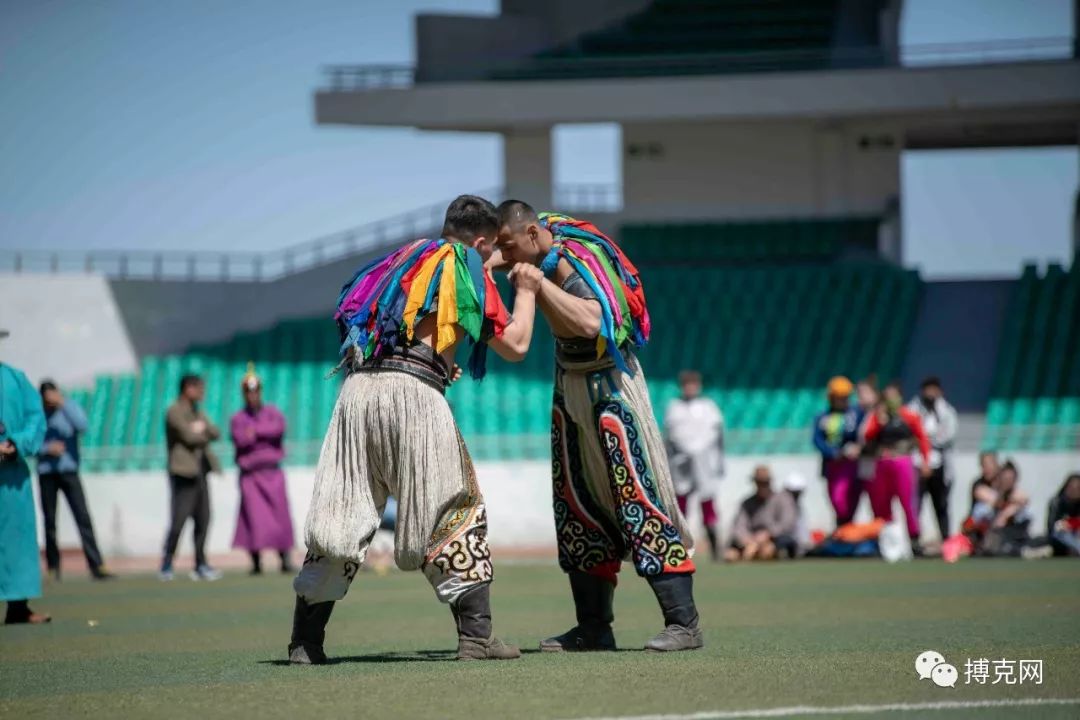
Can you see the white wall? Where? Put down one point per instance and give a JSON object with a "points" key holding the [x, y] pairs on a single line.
{"points": [[763, 169], [65, 327], [130, 510]]}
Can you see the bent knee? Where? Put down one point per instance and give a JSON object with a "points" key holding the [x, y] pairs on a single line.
{"points": [[324, 578]]}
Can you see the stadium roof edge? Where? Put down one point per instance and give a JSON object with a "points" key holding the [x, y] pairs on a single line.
{"points": [[899, 93]]}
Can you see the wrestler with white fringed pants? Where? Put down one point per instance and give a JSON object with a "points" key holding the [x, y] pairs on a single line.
{"points": [[402, 318]]}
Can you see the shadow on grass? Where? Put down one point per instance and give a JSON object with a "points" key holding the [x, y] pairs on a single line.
{"points": [[406, 657]]}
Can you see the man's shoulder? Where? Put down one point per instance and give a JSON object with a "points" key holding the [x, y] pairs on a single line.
{"points": [[19, 376]]}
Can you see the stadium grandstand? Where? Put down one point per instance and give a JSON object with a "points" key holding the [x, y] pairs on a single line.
{"points": [[760, 196]]}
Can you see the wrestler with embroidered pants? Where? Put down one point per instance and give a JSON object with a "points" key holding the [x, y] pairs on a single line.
{"points": [[402, 317], [612, 489]]}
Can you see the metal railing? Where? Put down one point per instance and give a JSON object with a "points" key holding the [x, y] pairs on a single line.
{"points": [[988, 51], [210, 265], [360, 78], [367, 77], [588, 197]]}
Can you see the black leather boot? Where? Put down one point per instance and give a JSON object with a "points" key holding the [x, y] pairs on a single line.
{"points": [[472, 615], [309, 632], [593, 597], [675, 593]]}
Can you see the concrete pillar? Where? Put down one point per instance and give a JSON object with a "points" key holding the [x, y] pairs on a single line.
{"points": [[527, 161], [889, 31], [1076, 202], [1076, 28], [891, 232], [831, 170]]}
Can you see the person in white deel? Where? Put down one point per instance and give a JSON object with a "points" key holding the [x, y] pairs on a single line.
{"points": [[694, 430]]}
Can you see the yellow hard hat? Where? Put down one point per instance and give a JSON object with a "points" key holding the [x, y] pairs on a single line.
{"points": [[839, 386]]}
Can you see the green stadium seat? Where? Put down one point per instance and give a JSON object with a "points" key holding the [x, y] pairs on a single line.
{"points": [[764, 341], [1036, 390], [997, 412]]}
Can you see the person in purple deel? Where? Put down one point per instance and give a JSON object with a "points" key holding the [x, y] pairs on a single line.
{"points": [[264, 522]]}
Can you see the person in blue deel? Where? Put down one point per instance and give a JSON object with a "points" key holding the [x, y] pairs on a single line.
{"points": [[22, 431]]}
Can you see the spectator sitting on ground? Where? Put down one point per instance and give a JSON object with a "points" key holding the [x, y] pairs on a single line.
{"points": [[989, 465], [766, 523], [999, 520], [1063, 518]]}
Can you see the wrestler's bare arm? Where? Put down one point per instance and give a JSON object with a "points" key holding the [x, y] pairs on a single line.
{"points": [[514, 342], [569, 316]]}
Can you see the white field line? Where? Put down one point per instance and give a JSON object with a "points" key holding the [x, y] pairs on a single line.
{"points": [[846, 709]]}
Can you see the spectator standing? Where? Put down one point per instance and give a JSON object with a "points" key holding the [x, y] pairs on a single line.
{"points": [[694, 427], [896, 431], [766, 523], [836, 437], [867, 397], [188, 434], [58, 472], [22, 430], [939, 420], [264, 522]]}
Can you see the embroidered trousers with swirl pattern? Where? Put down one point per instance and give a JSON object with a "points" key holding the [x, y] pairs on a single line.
{"points": [[612, 492]]}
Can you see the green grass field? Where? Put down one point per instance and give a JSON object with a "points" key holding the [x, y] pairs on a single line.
{"points": [[815, 633]]}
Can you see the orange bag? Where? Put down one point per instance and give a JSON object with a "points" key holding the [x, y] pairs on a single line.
{"points": [[859, 532]]}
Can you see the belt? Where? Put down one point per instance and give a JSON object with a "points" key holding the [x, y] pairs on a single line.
{"points": [[427, 367]]}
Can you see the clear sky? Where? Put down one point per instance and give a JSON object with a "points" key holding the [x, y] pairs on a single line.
{"points": [[188, 124]]}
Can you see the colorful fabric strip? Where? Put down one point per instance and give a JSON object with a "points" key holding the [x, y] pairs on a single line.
{"points": [[379, 307], [609, 274]]}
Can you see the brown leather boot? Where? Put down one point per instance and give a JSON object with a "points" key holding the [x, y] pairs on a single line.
{"points": [[472, 615]]}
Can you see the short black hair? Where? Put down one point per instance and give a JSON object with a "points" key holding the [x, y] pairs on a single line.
{"points": [[46, 386], [932, 381], [469, 217], [516, 212], [188, 380]]}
